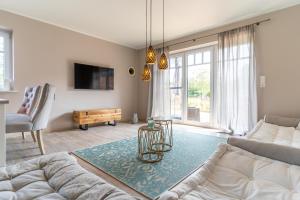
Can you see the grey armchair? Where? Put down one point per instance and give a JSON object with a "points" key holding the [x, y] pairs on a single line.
{"points": [[25, 112], [37, 121]]}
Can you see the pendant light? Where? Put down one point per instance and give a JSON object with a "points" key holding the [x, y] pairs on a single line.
{"points": [[163, 61], [146, 76], [150, 54], [146, 73]]}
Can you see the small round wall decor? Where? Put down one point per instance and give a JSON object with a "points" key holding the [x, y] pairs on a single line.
{"points": [[131, 71]]}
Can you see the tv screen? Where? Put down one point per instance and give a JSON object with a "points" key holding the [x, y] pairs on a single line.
{"points": [[93, 77]]}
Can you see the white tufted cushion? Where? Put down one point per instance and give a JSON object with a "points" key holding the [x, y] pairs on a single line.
{"points": [[55, 177], [232, 174], [30, 100], [272, 133]]}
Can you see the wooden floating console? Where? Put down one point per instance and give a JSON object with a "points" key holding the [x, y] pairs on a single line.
{"points": [[85, 117]]}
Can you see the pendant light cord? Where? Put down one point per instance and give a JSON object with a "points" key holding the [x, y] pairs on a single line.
{"points": [[150, 22], [146, 28], [163, 26]]}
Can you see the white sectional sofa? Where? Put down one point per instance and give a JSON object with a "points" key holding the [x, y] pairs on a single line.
{"points": [[277, 130], [54, 177], [271, 133], [233, 173]]}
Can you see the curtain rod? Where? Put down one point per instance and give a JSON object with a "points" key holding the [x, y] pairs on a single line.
{"points": [[194, 39]]}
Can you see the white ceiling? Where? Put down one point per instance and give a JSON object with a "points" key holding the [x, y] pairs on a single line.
{"points": [[123, 21]]}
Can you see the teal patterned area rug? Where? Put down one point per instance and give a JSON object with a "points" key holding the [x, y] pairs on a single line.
{"points": [[118, 159]]}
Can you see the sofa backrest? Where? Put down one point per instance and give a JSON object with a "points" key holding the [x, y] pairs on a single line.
{"points": [[282, 121]]}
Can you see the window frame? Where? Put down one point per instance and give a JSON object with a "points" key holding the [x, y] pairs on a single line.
{"points": [[8, 67], [181, 88]]}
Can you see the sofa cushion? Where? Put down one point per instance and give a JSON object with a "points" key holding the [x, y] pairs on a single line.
{"points": [[271, 133], [232, 173], [54, 176], [18, 123]]}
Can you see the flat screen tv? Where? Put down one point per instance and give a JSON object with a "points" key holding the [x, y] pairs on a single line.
{"points": [[93, 77]]}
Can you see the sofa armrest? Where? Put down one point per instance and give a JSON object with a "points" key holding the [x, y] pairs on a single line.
{"points": [[282, 153]]}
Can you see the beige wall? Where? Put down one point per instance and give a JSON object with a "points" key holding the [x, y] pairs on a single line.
{"points": [[278, 50], [45, 53], [278, 53]]}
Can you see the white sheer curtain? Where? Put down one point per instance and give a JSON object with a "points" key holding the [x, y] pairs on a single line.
{"points": [[159, 92], [235, 99]]}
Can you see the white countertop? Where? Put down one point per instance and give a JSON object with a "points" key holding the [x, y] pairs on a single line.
{"points": [[4, 101]]}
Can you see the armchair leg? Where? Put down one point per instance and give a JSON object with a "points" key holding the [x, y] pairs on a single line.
{"points": [[40, 141], [23, 136], [33, 136]]}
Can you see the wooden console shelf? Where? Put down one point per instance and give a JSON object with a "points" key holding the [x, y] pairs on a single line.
{"points": [[85, 117]]}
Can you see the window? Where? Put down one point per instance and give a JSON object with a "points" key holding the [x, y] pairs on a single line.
{"points": [[6, 68], [198, 79], [191, 85], [194, 78]]}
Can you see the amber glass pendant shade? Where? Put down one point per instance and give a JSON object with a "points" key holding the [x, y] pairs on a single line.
{"points": [[150, 56], [146, 76], [163, 61]]}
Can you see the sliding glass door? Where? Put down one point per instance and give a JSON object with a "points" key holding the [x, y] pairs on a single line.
{"points": [[191, 75]]}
